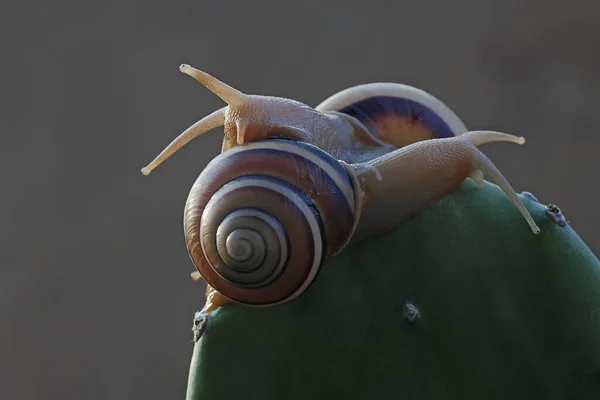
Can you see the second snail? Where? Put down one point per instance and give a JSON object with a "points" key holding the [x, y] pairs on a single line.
{"points": [[296, 184]]}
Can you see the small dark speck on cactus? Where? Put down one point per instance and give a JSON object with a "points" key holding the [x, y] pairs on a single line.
{"points": [[410, 312], [556, 215], [200, 322]]}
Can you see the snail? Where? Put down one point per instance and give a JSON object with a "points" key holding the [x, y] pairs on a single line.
{"points": [[295, 185]]}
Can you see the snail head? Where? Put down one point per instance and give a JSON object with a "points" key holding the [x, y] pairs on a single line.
{"points": [[247, 118]]}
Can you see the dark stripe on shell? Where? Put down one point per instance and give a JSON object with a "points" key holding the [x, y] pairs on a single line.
{"points": [[368, 111]]}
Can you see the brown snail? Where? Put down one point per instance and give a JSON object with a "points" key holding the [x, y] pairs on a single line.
{"points": [[295, 185]]}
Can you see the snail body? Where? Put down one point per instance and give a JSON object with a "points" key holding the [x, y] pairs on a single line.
{"points": [[295, 185]]}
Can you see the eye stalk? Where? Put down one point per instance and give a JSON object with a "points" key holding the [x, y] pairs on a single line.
{"points": [[206, 124], [233, 97]]}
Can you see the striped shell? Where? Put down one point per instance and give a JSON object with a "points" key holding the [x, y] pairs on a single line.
{"points": [[262, 216]]}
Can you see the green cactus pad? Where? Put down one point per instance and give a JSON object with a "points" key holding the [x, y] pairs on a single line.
{"points": [[461, 302]]}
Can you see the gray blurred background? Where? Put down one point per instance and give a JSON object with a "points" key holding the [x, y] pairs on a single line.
{"points": [[95, 296]]}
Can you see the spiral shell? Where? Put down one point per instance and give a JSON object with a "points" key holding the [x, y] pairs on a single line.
{"points": [[262, 216]]}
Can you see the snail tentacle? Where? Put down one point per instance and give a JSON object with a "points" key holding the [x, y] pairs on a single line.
{"points": [[490, 171], [483, 164], [478, 177], [482, 137], [228, 94], [206, 124]]}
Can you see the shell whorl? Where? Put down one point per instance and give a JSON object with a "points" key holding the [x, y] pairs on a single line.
{"points": [[262, 216]]}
